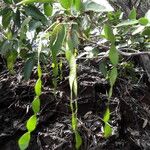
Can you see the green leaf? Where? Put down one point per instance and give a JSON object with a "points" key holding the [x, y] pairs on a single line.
{"points": [[77, 4], [113, 76], [107, 130], [24, 141], [17, 19], [23, 28], [57, 37], [35, 13], [34, 1], [66, 3], [109, 34], [78, 140], [48, 9], [110, 92], [28, 68], [132, 15], [143, 21], [74, 122], [8, 1], [75, 87], [127, 23], [36, 105], [38, 87], [11, 58], [106, 115], [39, 71], [97, 6], [31, 123], [113, 55], [6, 18]]}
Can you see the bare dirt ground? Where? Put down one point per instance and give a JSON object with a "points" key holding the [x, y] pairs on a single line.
{"points": [[130, 111]]}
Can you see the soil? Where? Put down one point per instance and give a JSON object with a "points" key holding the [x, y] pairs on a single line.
{"points": [[130, 111]]}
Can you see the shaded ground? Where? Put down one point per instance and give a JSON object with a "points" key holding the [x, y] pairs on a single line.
{"points": [[130, 112]]}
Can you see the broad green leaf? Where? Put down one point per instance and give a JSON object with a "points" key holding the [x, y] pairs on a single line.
{"points": [[107, 130], [113, 76], [78, 140], [66, 3], [31, 123], [127, 23], [143, 21], [132, 15], [97, 6], [109, 34], [106, 115], [6, 18], [38, 87], [74, 122], [113, 55], [24, 141], [48, 9], [36, 105], [28, 68]]}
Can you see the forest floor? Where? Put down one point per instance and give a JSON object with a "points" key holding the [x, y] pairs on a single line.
{"points": [[130, 111]]}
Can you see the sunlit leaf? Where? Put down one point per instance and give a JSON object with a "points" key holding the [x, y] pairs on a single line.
{"points": [[106, 115], [48, 9], [78, 140], [36, 105], [33, 1], [66, 3], [143, 21], [113, 55], [24, 141], [132, 15], [77, 4], [74, 122], [31, 123], [38, 87], [113, 76], [107, 130]]}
